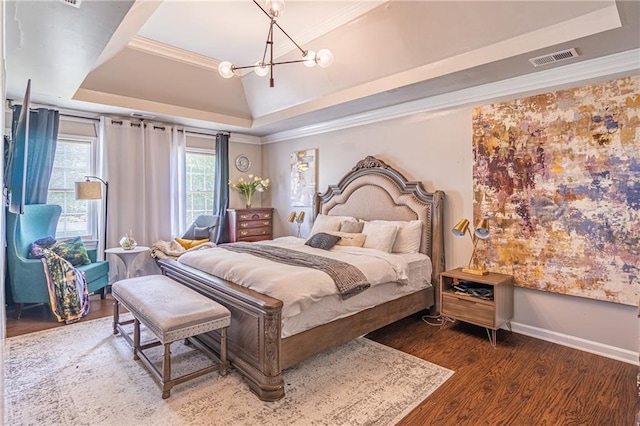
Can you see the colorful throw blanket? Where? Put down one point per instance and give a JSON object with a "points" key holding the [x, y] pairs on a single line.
{"points": [[349, 280], [68, 294]]}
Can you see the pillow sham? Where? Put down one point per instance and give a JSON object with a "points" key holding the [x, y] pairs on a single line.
{"points": [[322, 241], [72, 250], [326, 223], [352, 239], [351, 226], [379, 236], [409, 235], [187, 244]]}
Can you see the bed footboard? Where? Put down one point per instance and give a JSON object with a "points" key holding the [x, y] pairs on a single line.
{"points": [[254, 334]]}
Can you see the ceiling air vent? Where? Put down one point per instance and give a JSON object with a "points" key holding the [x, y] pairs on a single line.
{"points": [[554, 57], [74, 3]]}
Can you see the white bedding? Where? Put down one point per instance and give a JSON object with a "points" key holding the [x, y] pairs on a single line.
{"points": [[297, 287]]}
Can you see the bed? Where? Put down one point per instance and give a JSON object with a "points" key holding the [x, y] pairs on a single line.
{"points": [[258, 348]]}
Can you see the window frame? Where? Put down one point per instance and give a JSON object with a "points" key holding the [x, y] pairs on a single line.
{"points": [[92, 208], [194, 150]]}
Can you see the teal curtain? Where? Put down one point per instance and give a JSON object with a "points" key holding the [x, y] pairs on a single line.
{"points": [[221, 197], [43, 138]]}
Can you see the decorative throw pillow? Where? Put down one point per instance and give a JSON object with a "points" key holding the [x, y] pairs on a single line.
{"points": [[409, 235], [200, 233], [322, 241], [326, 223], [352, 239], [379, 236], [38, 247], [351, 226], [72, 250], [187, 244]]}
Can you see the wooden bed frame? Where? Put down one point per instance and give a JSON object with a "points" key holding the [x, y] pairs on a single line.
{"points": [[371, 190]]}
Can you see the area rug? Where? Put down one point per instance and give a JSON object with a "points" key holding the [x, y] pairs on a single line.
{"points": [[82, 374]]}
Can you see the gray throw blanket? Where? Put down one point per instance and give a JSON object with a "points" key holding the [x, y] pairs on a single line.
{"points": [[348, 279]]}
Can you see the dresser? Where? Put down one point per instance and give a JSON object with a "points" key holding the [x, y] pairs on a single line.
{"points": [[255, 224]]}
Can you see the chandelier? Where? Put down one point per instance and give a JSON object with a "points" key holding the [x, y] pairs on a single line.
{"points": [[274, 9]]}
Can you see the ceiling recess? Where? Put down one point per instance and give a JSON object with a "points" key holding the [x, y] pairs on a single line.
{"points": [[563, 55], [74, 3]]}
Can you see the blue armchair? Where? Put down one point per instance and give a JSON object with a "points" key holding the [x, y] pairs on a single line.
{"points": [[26, 277]]}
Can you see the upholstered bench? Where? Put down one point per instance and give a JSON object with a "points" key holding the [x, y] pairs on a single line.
{"points": [[171, 312]]}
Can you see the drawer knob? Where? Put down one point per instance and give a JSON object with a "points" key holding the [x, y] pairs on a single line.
{"points": [[266, 223], [243, 233], [244, 225], [244, 216]]}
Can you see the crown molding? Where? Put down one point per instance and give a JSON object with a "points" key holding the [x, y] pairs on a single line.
{"points": [[618, 64], [167, 51], [242, 138], [346, 15]]}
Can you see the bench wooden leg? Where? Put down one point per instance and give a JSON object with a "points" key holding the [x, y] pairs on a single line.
{"points": [[116, 316], [166, 371], [224, 364], [136, 338]]}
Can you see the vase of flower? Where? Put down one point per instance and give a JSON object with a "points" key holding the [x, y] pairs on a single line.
{"points": [[249, 187], [127, 242]]}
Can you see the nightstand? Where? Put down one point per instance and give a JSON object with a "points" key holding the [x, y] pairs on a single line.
{"points": [[491, 314]]}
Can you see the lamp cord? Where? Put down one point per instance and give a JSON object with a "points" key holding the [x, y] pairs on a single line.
{"points": [[437, 320]]}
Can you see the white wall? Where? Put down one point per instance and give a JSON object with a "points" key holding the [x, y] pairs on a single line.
{"points": [[436, 149]]}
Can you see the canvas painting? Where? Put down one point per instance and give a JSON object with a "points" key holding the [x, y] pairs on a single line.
{"points": [[558, 175]]}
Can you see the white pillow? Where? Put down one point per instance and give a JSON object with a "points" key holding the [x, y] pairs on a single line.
{"points": [[326, 223], [380, 236], [352, 239], [409, 235]]}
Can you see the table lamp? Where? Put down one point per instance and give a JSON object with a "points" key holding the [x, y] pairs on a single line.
{"points": [[299, 218], [481, 233]]}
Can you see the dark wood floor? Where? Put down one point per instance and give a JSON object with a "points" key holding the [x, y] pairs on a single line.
{"points": [[523, 381]]}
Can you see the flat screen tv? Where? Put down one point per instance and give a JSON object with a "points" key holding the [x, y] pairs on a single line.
{"points": [[17, 148]]}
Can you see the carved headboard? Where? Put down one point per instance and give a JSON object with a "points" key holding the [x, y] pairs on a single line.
{"points": [[375, 190]]}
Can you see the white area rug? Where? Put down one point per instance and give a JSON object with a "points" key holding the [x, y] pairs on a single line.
{"points": [[82, 374]]}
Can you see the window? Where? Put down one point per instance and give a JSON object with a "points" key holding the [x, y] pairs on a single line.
{"points": [[200, 177], [73, 161]]}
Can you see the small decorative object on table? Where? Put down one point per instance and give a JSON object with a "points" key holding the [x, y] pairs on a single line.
{"points": [[127, 242], [249, 187]]}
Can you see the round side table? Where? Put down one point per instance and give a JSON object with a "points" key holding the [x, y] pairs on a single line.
{"points": [[127, 256]]}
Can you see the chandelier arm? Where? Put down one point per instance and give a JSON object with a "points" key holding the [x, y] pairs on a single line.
{"points": [[266, 45], [235, 67], [304, 52]]}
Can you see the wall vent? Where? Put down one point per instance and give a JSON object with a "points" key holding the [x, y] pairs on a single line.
{"points": [[142, 116], [74, 3], [554, 57]]}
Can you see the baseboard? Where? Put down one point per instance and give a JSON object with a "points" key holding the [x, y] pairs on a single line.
{"points": [[601, 349]]}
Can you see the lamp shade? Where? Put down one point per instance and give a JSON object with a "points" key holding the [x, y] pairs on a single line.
{"points": [[291, 217], [88, 190], [461, 228], [482, 229], [300, 217]]}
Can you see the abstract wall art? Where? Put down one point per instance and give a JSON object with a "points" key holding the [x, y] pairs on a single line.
{"points": [[558, 174]]}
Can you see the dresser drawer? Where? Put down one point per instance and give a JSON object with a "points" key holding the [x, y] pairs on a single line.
{"points": [[253, 216], [254, 224], [250, 232], [465, 308]]}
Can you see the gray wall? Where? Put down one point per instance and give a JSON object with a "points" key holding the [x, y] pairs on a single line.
{"points": [[436, 149]]}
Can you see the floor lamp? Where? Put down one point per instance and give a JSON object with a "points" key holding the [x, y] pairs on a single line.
{"points": [[92, 190]]}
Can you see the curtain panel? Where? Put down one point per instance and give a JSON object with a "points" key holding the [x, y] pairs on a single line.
{"points": [[221, 190], [138, 165], [43, 139]]}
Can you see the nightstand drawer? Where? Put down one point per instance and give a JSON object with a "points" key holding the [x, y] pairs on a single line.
{"points": [[465, 308]]}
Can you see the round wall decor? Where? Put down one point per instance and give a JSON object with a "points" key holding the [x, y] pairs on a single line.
{"points": [[243, 163]]}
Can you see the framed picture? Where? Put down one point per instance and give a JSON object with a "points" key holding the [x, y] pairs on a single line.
{"points": [[303, 178]]}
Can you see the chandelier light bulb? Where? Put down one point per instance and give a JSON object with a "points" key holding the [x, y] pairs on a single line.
{"points": [[310, 59], [261, 69], [324, 58], [275, 8], [226, 69]]}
